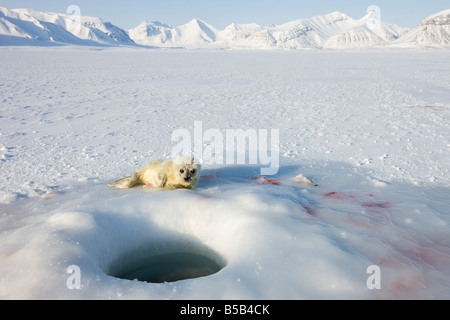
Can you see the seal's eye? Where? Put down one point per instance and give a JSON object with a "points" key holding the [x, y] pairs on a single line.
{"points": [[181, 170], [193, 171]]}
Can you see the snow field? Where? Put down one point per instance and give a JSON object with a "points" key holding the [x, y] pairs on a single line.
{"points": [[369, 128]]}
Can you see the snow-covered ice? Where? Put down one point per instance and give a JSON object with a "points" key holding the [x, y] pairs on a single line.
{"points": [[363, 178]]}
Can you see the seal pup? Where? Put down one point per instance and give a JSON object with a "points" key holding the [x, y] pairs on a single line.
{"points": [[169, 174]]}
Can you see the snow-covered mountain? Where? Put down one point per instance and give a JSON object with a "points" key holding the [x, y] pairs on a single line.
{"points": [[433, 31], [151, 33], [334, 30], [365, 32], [26, 26], [194, 34]]}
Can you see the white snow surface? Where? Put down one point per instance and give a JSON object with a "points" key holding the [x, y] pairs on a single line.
{"points": [[363, 177]]}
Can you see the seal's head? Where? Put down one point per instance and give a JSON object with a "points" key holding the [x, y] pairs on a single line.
{"points": [[186, 171]]}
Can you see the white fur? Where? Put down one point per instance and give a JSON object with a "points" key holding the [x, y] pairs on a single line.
{"points": [[181, 172]]}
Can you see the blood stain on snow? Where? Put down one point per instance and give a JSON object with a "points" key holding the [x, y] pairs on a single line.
{"points": [[434, 108], [265, 180], [6, 255], [429, 256], [376, 205], [48, 196], [338, 196], [405, 287]]}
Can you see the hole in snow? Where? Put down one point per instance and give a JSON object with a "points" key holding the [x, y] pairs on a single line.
{"points": [[153, 266]]}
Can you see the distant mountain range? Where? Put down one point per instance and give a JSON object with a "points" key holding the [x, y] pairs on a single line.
{"points": [[434, 31], [332, 31], [30, 27]]}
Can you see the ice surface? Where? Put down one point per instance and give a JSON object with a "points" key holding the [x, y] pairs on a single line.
{"points": [[364, 175]]}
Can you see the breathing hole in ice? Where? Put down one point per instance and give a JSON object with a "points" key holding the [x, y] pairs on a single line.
{"points": [[153, 266]]}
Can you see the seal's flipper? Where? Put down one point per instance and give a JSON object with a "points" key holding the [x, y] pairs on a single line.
{"points": [[125, 183]]}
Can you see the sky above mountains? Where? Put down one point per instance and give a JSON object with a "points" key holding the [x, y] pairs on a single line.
{"points": [[222, 13]]}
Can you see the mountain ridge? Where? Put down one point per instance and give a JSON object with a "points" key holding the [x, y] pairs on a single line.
{"points": [[46, 28], [335, 30], [433, 31]]}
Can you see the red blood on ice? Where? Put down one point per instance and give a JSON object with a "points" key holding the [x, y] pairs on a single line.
{"points": [[383, 205], [265, 180], [405, 288], [434, 256], [434, 108], [273, 181], [48, 195], [387, 262], [6, 255], [338, 196]]}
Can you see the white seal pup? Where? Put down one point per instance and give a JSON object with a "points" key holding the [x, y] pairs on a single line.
{"points": [[182, 172]]}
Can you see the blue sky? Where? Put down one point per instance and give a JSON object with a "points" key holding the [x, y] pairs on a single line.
{"points": [[220, 13]]}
